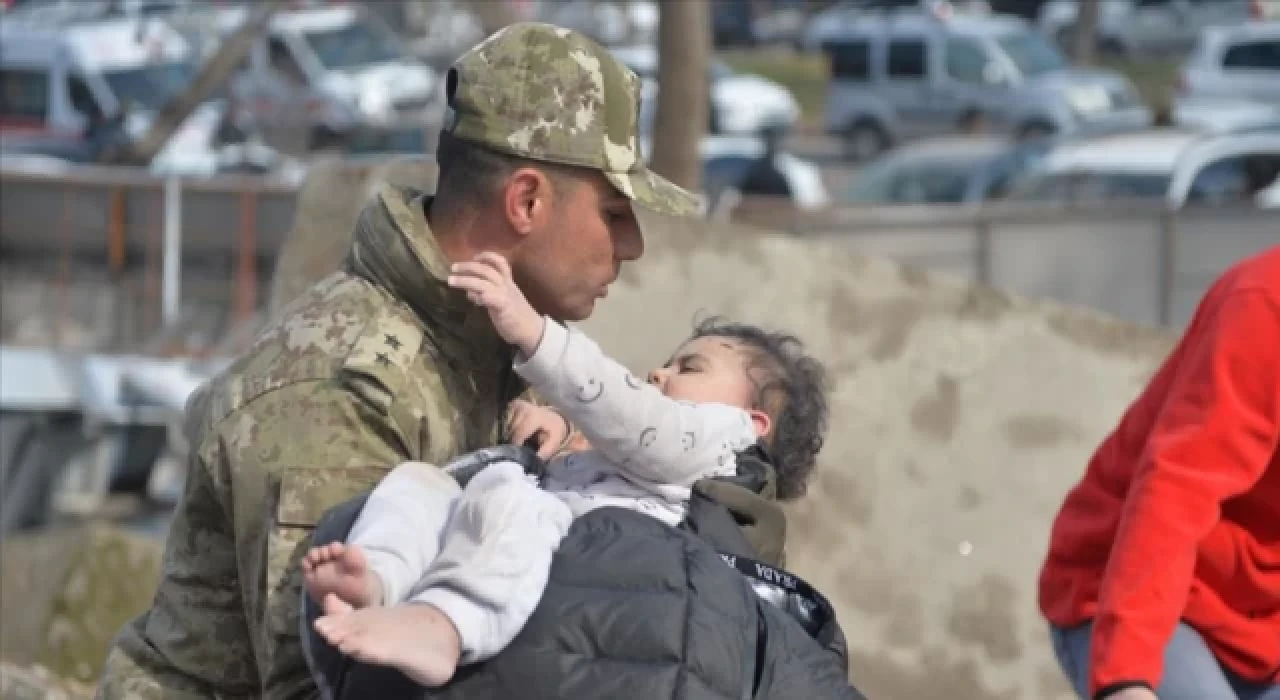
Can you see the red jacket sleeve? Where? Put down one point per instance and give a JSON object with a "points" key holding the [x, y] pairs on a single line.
{"points": [[1213, 439]]}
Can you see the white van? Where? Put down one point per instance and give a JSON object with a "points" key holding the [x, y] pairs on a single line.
{"points": [[66, 91], [326, 71]]}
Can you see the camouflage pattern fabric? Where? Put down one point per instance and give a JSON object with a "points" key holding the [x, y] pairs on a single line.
{"points": [[542, 92], [378, 363]]}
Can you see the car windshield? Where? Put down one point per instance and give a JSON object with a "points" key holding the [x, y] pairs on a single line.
{"points": [[150, 86], [352, 46], [1091, 187], [1031, 53]]}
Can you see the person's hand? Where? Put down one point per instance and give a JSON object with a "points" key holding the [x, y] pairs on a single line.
{"points": [[1136, 693], [487, 281], [546, 425]]}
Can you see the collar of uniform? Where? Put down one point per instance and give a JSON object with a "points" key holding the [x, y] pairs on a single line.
{"points": [[394, 247]]}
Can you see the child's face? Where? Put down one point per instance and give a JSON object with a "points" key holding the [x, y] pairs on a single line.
{"points": [[710, 369]]}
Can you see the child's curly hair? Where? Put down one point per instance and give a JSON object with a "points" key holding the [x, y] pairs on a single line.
{"points": [[791, 387]]}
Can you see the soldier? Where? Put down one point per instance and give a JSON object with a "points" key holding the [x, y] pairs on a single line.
{"points": [[382, 362]]}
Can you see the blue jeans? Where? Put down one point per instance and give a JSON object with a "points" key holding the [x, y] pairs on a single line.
{"points": [[1190, 670]]}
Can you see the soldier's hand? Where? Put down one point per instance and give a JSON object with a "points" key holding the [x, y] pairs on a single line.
{"points": [[488, 282], [545, 425]]}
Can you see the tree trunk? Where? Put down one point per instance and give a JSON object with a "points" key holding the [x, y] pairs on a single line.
{"points": [[684, 49], [1085, 38], [214, 73]]}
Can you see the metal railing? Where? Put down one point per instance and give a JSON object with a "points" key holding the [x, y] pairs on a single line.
{"points": [[165, 251], [159, 246], [1136, 260]]}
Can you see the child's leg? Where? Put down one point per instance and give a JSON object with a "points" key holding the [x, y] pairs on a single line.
{"points": [[492, 568], [392, 542], [494, 562]]}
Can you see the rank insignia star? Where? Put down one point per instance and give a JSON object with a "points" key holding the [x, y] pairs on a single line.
{"points": [[383, 359], [393, 342]]}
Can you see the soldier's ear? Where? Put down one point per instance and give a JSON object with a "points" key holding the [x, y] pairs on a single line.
{"points": [[527, 199]]}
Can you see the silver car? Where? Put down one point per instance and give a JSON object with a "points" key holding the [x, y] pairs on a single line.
{"points": [[1146, 27], [1239, 62], [903, 75], [1182, 167], [945, 170]]}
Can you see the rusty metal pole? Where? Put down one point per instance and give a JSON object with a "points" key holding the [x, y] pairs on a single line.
{"points": [[116, 254], [150, 275]]}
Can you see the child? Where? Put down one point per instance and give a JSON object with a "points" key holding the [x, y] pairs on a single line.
{"points": [[472, 563]]}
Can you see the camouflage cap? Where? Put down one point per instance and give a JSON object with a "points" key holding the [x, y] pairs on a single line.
{"points": [[552, 94]]}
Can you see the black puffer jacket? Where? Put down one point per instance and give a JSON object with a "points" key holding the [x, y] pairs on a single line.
{"points": [[634, 609]]}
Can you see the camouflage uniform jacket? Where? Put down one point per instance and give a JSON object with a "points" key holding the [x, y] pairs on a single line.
{"points": [[377, 364]]}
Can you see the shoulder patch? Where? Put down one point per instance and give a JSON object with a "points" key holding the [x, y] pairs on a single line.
{"points": [[386, 347]]}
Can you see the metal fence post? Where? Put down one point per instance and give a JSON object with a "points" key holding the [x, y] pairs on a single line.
{"points": [[1168, 266], [63, 277], [171, 293], [247, 287], [117, 247], [982, 266]]}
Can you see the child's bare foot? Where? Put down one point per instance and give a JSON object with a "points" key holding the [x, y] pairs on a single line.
{"points": [[417, 639], [342, 570]]}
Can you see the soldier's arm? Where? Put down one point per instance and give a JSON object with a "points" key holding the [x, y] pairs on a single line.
{"points": [[193, 642], [325, 444], [225, 616]]}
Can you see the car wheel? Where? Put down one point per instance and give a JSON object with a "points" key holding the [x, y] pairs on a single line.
{"points": [[1065, 38], [1112, 48], [865, 140], [1035, 131], [973, 121], [325, 139]]}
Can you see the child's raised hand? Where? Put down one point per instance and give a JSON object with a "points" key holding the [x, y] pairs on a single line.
{"points": [[488, 282]]}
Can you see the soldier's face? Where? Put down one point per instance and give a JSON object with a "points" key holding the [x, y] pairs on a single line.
{"points": [[574, 252]]}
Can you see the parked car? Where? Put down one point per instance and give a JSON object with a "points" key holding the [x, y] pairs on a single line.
{"points": [[726, 159], [899, 75], [741, 103], [1236, 62], [1148, 27], [69, 91], [945, 170], [325, 72], [1225, 114], [1180, 166]]}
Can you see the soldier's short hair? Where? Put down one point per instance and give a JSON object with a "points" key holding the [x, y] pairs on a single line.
{"points": [[470, 174]]}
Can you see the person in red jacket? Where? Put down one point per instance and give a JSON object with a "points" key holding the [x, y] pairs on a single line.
{"points": [[1163, 573]]}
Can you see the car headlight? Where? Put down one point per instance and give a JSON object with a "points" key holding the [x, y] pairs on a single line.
{"points": [[375, 101], [1088, 99]]}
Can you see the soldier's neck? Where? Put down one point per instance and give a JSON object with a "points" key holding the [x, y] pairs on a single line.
{"points": [[461, 238]]}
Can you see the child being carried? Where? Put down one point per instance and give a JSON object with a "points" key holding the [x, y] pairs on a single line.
{"points": [[433, 575]]}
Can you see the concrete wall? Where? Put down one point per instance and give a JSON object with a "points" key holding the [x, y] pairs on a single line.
{"points": [[961, 415]]}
